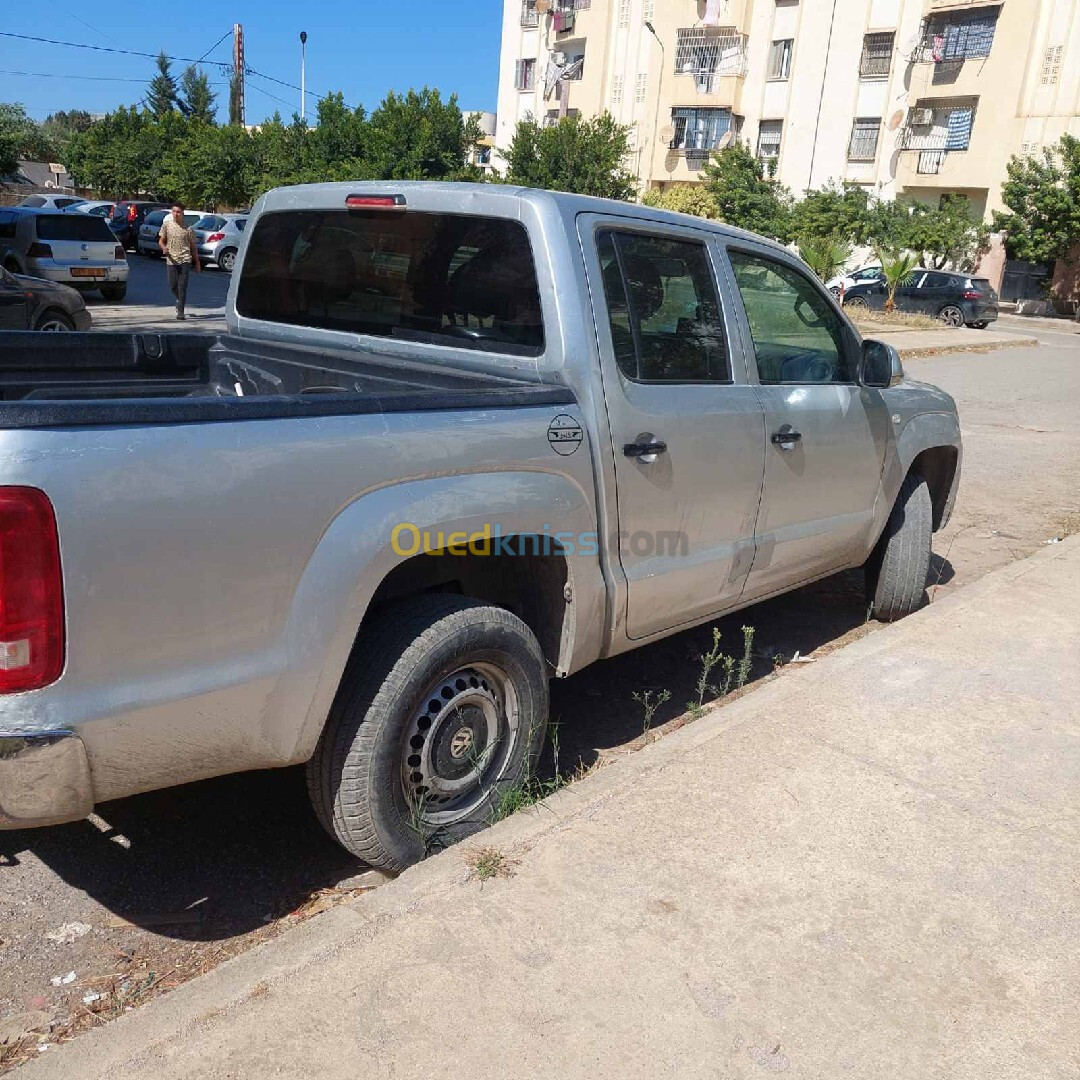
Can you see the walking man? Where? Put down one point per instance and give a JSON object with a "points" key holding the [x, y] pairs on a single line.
{"points": [[177, 243]]}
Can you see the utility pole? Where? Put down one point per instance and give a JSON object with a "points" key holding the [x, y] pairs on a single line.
{"points": [[237, 88], [659, 93], [303, 73]]}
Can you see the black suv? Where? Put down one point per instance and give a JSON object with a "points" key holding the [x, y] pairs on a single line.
{"points": [[126, 218], [955, 299]]}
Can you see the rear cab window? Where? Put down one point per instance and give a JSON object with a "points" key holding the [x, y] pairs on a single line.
{"points": [[79, 227], [448, 279]]}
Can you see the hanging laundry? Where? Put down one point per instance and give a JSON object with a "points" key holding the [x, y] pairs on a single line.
{"points": [[712, 12]]}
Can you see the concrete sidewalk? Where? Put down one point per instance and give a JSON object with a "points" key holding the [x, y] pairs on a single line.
{"points": [[868, 867], [933, 342]]}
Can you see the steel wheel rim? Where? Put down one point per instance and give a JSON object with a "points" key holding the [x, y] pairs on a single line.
{"points": [[54, 326], [952, 316], [458, 742], [228, 261]]}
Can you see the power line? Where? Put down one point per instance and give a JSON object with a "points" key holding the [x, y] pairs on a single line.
{"points": [[214, 46], [256, 86], [88, 78], [72, 15]]}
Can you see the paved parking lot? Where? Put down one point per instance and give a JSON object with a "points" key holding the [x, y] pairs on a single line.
{"points": [[150, 306]]}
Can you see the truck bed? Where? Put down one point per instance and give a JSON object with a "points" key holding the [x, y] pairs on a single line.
{"points": [[53, 380]]}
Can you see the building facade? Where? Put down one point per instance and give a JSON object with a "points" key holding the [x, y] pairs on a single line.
{"points": [[913, 97]]}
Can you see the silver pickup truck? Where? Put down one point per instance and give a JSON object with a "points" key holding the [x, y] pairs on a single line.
{"points": [[457, 440]]}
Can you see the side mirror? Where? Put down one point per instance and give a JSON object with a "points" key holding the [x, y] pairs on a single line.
{"points": [[881, 365]]}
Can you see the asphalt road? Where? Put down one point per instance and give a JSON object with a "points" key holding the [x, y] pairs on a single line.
{"points": [[236, 854]]}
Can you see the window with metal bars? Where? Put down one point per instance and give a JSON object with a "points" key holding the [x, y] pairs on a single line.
{"points": [[650, 10], [780, 59], [624, 13], [641, 87], [708, 51], [529, 15], [699, 131], [877, 50], [769, 135], [958, 35], [939, 125], [525, 74], [1051, 65], [862, 146], [617, 89]]}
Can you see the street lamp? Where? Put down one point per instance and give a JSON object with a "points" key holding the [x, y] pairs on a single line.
{"points": [[659, 90], [303, 73]]}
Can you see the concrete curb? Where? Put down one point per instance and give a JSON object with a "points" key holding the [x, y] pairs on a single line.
{"points": [[912, 353], [141, 1037]]}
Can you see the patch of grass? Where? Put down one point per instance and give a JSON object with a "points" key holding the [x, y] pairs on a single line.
{"points": [[531, 789], [892, 320], [487, 863], [734, 673], [1068, 524], [649, 705]]}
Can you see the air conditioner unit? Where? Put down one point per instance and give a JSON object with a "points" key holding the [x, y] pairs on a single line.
{"points": [[921, 117], [559, 58]]}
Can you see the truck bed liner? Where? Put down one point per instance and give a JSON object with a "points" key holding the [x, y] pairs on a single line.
{"points": [[54, 380]]}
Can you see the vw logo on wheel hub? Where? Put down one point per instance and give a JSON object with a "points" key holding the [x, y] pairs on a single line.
{"points": [[462, 742]]}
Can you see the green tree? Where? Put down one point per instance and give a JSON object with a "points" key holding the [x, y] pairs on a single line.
{"points": [[1043, 196], [107, 156], [212, 167], [841, 212], [949, 234], [335, 149], [895, 266], [279, 150], [416, 136], [583, 156], [162, 95], [198, 101], [20, 138], [825, 255], [683, 199], [745, 197]]}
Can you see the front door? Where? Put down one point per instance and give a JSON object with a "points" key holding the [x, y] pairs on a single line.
{"points": [[826, 433], [686, 429]]}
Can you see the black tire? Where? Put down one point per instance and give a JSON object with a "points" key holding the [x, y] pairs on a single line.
{"points": [[896, 572], [226, 260], [979, 325], [12, 267], [381, 772], [856, 303], [114, 294], [54, 320], [951, 315]]}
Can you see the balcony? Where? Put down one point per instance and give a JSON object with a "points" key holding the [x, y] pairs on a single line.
{"points": [[951, 37], [530, 17], [937, 126], [698, 133], [708, 53]]}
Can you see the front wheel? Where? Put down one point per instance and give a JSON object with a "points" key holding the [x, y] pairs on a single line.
{"points": [[951, 315], [227, 260], [54, 321], [856, 303], [114, 294], [443, 706], [897, 570]]}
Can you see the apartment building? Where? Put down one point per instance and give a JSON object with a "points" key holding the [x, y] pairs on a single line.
{"points": [[914, 97]]}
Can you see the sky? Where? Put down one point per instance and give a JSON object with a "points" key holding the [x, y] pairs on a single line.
{"points": [[361, 48]]}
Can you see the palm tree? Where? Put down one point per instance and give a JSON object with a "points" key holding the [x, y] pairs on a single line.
{"points": [[825, 255], [895, 267]]}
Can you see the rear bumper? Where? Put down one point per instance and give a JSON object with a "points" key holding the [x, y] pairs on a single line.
{"points": [[44, 779], [114, 274]]}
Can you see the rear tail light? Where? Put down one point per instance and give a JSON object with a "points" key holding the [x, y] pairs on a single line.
{"points": [[375, 202], [31, 592], [38, 250], [213, 238], [119, 254], [972, 294], [133, 213]]}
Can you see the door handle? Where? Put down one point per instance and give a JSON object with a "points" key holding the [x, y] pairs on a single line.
{"points": [[786, 437], [645, 449]]}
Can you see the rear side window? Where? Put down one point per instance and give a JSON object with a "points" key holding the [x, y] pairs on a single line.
{"points": [[240, 223], [450, 279], [33, 201], [72, 227], [663, 309], [936, 281], [156, 218]]}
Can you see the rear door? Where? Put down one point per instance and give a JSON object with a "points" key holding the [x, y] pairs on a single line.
{"points": [[826, 433], [83, 243], [686, 428]]}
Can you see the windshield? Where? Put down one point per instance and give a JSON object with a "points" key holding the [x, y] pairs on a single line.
{"points": [[72, 227], [156, 218]]}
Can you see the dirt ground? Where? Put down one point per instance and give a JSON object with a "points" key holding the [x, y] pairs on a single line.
{"points": [[155, 889]]}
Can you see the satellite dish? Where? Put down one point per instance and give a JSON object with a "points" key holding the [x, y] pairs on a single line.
{"points": [[543, 6], [666, 134], [895, 120], [725, 140], [911, 43]]}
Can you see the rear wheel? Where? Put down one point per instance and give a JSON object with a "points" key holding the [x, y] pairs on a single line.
{"points": [[951, 315], [896, 572], [55, 321], [443, 706], [114, 293], [856, 303], [227, 260], [979, 325]]}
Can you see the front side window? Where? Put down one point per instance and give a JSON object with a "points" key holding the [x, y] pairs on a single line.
{"points": [[798, 336], [447, 279], [663, 309]]}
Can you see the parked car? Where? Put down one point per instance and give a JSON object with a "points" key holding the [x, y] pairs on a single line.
{"points": [[955, 299], [74, 249], [127, 217], [363, 528], [49, 202], [150, 230], [843, 282], [102, 208], [28, 303], [218, 238]]}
